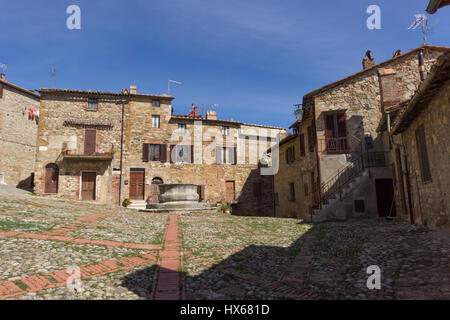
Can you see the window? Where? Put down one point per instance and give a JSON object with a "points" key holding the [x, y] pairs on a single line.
{"points": [[155, 121], [290, 154], [291, 192], [182, 127], [225, 155], [302, 145], [155, 103], [154, 152], [423, 154], [225, 130], [335, 133], [92, 105], [181, 154]]}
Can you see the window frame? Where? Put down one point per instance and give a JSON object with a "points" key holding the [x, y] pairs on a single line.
{"points": [[225, 130], [156, 116], [156, 103], [90, 103]]}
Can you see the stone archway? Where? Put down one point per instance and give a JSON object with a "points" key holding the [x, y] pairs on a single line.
{"points": [[154, 197]]}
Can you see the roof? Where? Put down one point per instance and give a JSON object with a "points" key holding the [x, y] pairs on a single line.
{"points": [[97, 93], [187, 117], [434, 5], [439, 75], [355, 75], [12, 85]]}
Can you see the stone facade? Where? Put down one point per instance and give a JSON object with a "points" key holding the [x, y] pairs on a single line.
{"points": [[140, 128], [17, 135], [362, 100], [423, 198]]}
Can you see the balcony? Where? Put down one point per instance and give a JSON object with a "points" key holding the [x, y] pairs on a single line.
{"points": [[332, 145], [96, 156]]}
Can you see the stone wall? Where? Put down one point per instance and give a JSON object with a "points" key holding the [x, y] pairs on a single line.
{"points": [[55, 135], [430, 199], [17, 136]]}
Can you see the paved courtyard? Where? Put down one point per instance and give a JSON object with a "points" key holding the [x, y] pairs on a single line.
{"points": [[126, 254]]}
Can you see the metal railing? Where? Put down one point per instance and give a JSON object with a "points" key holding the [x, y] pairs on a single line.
{"points": [[358, 163], [332, 145]]}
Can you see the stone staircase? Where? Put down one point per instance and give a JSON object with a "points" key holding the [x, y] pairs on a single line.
{"points": [[138, 204], [340, 206]]}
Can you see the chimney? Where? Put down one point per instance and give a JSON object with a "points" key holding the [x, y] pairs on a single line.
{"points": [[211, 115], [368, 60], [195, 112], [2, 76], [132, 89]]}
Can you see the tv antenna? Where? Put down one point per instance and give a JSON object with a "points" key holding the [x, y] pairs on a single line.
{"points": [[168, 85], [53, 77], [4, 66], [214, 105], [421, 20]]}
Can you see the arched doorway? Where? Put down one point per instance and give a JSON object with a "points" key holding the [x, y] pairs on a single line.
{"points": [[51, 178], [154, 198]]}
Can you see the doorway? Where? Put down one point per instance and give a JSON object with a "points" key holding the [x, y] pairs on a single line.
{"points": [[88, 185], [51, 178], [229, 191], [137, 185], [385, 197]]}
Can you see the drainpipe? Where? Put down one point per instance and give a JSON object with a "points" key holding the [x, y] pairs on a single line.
{"points": [[121, 156]]}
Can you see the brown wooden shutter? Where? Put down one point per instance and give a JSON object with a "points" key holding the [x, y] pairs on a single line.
{"points": [[90, 141], [342, 130], [423, 153], [145, 152], [302, 145], [163, 155], [310, 139], [191, 156]]}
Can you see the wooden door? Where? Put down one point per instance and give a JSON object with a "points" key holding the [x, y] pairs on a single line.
{"points": [[88, 185], [51, 178], [90, 141], [137, 185], [385, 197], [229, 191]]}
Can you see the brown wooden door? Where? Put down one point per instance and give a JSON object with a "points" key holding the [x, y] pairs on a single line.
{"points": [[90, 141], [385, 197], [88, 185], [51, 178], [137, 185], [229, 191]]}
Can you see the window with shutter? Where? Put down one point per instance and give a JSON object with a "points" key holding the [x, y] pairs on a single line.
{"points": [[145, 152], [92, 105], [90, 141], [423, 154], [155, 152]]}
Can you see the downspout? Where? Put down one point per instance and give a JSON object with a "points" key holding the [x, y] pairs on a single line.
{"points": [[316, 144], [121, 155]]}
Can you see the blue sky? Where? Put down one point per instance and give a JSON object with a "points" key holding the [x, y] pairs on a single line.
{"points": [[254, 58]]}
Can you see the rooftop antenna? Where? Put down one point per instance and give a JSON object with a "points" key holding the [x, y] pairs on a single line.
{"points": [[421, 20], [168, 85], [214, 105], [4, 66], [53, 77]]}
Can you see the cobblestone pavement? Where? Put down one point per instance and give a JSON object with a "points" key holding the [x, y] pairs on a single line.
{"points": [[126, 254]]}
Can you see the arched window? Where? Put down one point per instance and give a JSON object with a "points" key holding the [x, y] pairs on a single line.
{"points": [[157, 180], [51, 178]]}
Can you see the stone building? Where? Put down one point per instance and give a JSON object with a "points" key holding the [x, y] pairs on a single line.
{"points": [[18, 126], [346, 166], [420, 140], [109, 147]]}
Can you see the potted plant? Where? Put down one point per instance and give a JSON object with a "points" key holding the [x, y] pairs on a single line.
{"points": [[224, 207], [126, 202]]}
